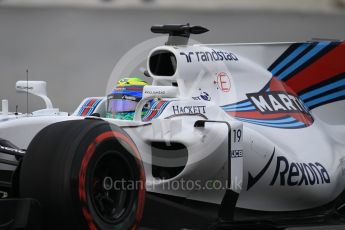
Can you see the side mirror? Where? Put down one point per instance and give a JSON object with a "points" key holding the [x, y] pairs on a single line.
{"points": [[152, 92], [37, 88], [160, 91]]}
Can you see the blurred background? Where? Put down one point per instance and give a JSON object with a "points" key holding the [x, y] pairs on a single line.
{"points": [[75, 44]]}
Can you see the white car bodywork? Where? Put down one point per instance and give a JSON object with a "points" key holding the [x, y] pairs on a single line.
{"points": [[276, 164]]}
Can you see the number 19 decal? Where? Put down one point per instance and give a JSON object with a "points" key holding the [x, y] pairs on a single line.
{"points": [[237, 135]]}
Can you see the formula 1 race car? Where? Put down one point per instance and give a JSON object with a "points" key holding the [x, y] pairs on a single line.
{"points": [[234, 136]]}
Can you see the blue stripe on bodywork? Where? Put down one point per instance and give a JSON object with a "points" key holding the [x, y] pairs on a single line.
{"points": [[162, 108], [250, 108], [304, 59], [83, 107], [238, 105], [285, 125], [150, 110], [323, 89], [288, 59], [325, 98], [93, 107], [280, 121]]}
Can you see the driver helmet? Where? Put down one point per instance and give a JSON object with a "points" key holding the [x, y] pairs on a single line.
{"points": [[123, 99]]}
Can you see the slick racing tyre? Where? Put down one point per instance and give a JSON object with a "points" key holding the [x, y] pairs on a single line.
{"points": [[86, 174]]}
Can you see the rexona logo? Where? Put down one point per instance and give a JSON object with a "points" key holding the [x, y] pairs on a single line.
{"points": [[292, 173], [189, 109], [296, 174], [273, 102], [214, 55]]}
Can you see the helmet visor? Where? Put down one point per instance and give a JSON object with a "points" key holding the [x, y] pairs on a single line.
{"points": [[116, 106]]}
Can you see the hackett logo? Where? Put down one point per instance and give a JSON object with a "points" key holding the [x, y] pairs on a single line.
{"points": [[189, 109]]}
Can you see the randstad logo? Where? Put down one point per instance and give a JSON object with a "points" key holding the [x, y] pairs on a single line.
{"points": [[214, 55]]}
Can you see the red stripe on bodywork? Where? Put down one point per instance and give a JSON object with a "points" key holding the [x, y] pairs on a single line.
{"points": [[277, 85], [255, 115], [307, 119], [155, 111], [326, 67], [87, 109]]}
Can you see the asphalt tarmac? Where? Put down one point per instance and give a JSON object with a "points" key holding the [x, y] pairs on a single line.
{"points": [[75, 50]]}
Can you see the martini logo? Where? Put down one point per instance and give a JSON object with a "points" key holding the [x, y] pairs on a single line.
{"points": [[276, 105], [223, 82], [275, 102]]}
